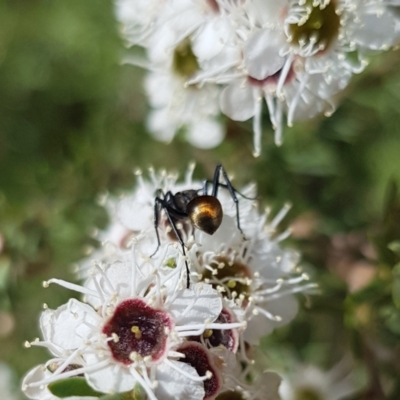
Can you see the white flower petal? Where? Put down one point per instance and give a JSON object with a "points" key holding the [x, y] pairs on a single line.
{"points": [[112, 378], [160, 125], [35, 375], [205, 301], [262, 53], [66, 327], [227, 232], [211, 39], [286, 308], [172, 385], [375, 32], [135, 215], [237, 101], [205, 134]]}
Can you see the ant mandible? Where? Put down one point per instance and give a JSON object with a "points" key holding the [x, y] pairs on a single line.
{"points": [[202, 210]]}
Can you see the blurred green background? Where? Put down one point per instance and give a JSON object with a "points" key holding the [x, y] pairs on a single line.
{"points": [[72, 128]]}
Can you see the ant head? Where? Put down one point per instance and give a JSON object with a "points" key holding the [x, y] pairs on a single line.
{"points": [[206, 213]]}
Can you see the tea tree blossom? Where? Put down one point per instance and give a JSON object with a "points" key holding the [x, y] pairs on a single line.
{"points": [[129, 333], [296, 55], [194, 110], [254, 275], [141, 325], [308, 381]]}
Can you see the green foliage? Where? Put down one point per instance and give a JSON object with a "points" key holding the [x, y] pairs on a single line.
{"points": [[72, 387]]}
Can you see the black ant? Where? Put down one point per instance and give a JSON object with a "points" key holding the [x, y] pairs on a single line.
{"points": [[197, 207]]}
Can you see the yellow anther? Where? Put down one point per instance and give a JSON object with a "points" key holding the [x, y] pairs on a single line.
{"points": [[231, 284], [136, 331], [208, 333]]}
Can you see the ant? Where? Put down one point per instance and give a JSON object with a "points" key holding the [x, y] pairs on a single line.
{"points": [[202, 210]]}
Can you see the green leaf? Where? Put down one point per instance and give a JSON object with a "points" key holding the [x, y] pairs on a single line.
{"points": [[387, 238], [375, 291], [396, 285], [137, 393], [391, 318], [395, 246], [72, 387], [4, 271]]}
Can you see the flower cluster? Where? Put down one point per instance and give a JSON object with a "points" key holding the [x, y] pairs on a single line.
{"points": [[140, 329], [210, 56]]}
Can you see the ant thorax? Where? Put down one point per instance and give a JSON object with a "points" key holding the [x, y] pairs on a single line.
{"points": [[180, 200]]}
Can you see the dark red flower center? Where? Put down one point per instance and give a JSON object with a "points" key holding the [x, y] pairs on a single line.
{"points": [[217, 337], [136, 328], [197, 356]]}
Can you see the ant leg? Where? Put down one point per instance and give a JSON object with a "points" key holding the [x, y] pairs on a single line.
{"points": [[232, 192], [206, 183], [157, 201], [177, 234], [215, 180]]}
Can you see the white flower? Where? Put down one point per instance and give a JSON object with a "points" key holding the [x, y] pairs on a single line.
{"points": [[175, 107], [129, 333], [301, 96], [172, 61], [137, 17], [256, 273], [242, 380], [296, 55], [269, 67], [308, 381], [134, 212]]}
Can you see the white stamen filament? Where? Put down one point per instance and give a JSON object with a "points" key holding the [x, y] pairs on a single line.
{"points": [[68, 374], [299, 289], [198, 329], [279, 217], [76, 288], [142, 382]]}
